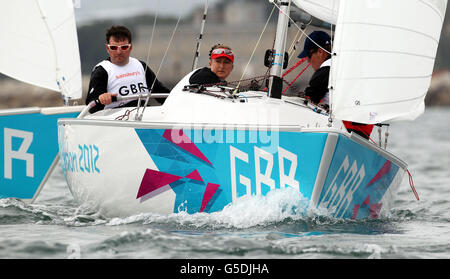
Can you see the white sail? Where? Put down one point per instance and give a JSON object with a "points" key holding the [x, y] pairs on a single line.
{"points": [[40, 46], [326, 10], [385, 53]]}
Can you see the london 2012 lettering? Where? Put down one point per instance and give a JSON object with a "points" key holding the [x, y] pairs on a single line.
{"points": [[85, 159], [259, 177]]}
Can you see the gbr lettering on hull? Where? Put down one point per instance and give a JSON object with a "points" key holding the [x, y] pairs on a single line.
{"points": [[262, 177], [339, 194], [20, 154]]}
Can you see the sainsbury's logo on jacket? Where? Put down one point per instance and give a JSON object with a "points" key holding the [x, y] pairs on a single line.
{"points": [[132, 74]]}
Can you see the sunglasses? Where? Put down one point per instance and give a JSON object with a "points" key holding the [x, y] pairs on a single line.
{"points": [[222, 50], [122, 47]]}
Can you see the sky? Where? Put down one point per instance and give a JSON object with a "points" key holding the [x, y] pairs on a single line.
{"points": [[86, 10]]}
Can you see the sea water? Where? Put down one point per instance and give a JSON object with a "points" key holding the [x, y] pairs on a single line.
{"points": [[277, 226]]}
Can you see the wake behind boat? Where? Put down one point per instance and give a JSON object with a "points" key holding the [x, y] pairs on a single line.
{"points": [[205, 148]]}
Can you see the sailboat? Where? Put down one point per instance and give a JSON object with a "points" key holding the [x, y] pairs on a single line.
{"points": [[40, 47], [206, 148]]}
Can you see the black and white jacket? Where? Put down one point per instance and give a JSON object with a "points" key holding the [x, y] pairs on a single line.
{"points": [[124, 80], [317, 89]]}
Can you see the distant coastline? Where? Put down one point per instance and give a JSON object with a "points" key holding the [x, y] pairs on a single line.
{"points": [[14, 94], [241, 36]]}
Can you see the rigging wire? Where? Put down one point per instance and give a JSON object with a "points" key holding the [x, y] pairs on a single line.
{"points": [[299, 28], [139, 116], [331, 24], [386, 135], [294, 43], [296, 40], [331, 81], [254, 49], [148, 54], [153, 32]]}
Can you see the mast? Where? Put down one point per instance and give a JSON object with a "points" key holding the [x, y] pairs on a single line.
{"points": [[276, 80]]}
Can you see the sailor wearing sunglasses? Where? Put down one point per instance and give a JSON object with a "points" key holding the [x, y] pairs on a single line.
{"points": [[221, 64], [120, 73]]}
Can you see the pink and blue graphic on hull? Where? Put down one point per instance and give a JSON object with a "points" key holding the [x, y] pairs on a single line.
{"points": [[209, 170], [182, 163], [357, 180]]}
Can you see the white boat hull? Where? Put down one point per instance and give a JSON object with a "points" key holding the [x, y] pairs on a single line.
{"points": [[171, 161]]}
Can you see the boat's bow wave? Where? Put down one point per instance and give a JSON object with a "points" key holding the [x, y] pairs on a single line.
{"points": [[278, 206]]}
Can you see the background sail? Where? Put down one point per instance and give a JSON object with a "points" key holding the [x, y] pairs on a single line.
{"points": [[40, 46], [385, 57], [326, 10]]}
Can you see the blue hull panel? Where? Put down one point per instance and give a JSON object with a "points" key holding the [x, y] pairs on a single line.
{"points": [[29, 145], [357, 180], [209, 169]]}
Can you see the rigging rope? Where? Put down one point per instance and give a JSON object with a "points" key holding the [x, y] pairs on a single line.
{"points": [[126, 115], [295, 66], [292, 82], [411, 183]]}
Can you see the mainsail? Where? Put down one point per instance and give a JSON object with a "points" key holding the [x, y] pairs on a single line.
{"points": [[326, 10], [39, 45], [384, 54]]}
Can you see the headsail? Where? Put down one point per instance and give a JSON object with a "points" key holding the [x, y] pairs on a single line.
{"points": [[40, 45], [385, 52], [326, 10]]}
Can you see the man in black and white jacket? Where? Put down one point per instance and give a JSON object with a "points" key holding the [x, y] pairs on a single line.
{"points": [[121, 74], [317, 49]]}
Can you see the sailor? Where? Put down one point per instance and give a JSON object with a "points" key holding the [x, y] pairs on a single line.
{"points": [[317, 49], [120, 73], [221, 60]]}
